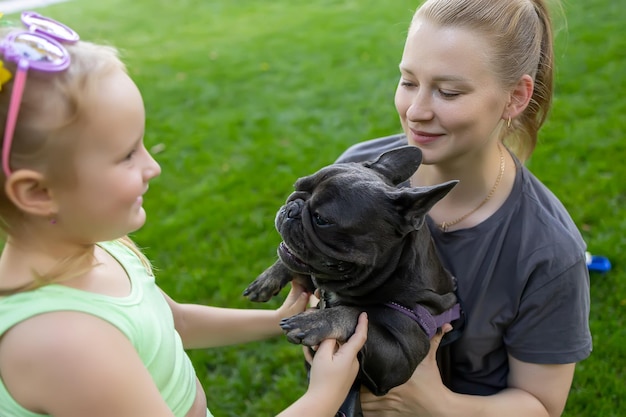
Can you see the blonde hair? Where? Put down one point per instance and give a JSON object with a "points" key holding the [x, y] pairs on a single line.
{"points": [[520, 34], [51, 106]]}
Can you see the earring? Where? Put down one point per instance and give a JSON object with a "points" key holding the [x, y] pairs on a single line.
{"points": [[508, 123], [53, 220]]}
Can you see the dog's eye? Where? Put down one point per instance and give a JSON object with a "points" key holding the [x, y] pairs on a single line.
{"points": [[319, 220]]}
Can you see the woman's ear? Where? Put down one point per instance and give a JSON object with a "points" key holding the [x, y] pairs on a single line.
{"points": [[29, 192], [519, 97]]}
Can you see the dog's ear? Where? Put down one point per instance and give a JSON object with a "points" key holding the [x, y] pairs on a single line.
{"points": [[397, 164], [414, 203]]}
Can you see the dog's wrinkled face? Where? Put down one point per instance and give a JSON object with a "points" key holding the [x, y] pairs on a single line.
{"points": [[341, 221], [324, 222]]}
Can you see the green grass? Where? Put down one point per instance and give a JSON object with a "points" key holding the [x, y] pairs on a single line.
{"points": [[247, 95]]}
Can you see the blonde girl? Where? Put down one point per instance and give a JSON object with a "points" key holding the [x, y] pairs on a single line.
{"points": [[84, 329]]}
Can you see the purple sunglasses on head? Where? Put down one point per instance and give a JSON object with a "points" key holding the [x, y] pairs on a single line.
{"points": [[37, 48]]}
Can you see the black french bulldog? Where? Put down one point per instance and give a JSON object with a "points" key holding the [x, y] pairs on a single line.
{"points": [[349, 231]]}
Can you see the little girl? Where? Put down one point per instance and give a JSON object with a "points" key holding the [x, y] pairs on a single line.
{"points": [[84, 329]]}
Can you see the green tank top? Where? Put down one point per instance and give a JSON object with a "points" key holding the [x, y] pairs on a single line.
{"points": [[143, 316]]}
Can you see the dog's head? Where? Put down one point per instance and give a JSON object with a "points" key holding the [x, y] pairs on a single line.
{"points": [[343, 221]]}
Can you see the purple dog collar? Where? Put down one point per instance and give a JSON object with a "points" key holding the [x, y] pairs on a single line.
{"points": [[427, 321]]}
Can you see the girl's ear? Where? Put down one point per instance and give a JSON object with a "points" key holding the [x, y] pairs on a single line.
{"points": [[29, 192], [520, 97]]}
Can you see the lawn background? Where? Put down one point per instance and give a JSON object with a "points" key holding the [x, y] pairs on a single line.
{"points": [[245, 96]]}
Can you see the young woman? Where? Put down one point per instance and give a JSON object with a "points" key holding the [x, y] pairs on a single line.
{"points": [[475, 87]]}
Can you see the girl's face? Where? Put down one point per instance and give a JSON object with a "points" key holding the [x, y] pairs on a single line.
{"points": [[112, 166], [449, 101]]}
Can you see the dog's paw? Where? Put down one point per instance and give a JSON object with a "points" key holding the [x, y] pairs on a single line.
{"points": [[312, 326], [261, 290], [269, 283], [307, 328]]}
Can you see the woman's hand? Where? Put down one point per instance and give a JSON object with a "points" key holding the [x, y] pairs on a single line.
{"points": [[417, 396]]}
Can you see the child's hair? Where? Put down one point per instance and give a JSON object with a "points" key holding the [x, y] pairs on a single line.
{"points": [[44, 140], [520, 34], [50, 107]]}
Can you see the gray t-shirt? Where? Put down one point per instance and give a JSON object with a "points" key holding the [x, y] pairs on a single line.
{"points": [[522, 280]]}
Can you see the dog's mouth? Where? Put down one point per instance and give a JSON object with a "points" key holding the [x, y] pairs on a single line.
{"points": [[289, 258], [331, 271]]}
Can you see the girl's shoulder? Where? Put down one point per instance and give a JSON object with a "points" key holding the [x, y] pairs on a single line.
{"points": [[109, 295], [67, 360]]}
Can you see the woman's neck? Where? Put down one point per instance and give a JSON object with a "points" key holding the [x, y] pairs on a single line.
{"points": [[485, 181]]}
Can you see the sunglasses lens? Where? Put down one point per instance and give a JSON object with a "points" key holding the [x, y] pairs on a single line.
{"points": [[39, 51], [37, 23]]}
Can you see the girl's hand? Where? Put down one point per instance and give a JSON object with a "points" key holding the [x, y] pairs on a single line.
{"points": [[295, 302], [334, 367], [333, 371]]}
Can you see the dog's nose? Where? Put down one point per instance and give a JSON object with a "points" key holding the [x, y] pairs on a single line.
{"points": [[294, 208]]}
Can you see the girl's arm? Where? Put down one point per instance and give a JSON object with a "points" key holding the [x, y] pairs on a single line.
{"points": [[205, 326], [71, 364], [333, 370]]}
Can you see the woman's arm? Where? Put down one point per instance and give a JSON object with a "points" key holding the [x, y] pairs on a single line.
{"points": [[205, 326], [534, 391]]}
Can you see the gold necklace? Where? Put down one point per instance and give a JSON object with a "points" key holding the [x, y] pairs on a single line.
{"points": [[445, 225]]}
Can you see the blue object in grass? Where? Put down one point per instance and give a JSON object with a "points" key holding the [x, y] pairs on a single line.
{"points": [[598, 263]]}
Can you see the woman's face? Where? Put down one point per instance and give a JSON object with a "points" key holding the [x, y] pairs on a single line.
{"points": [[449, 101]]}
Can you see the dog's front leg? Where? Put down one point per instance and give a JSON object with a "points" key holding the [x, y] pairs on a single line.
{"points": [[312, 326], [274, 279], [269, 283]]}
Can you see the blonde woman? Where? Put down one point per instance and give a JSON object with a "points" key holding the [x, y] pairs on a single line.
{"points": [[475, 87]]}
